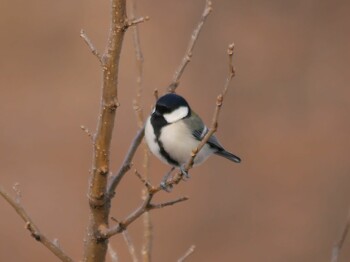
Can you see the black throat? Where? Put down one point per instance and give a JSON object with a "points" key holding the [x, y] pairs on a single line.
{"points": [[158, 122]]}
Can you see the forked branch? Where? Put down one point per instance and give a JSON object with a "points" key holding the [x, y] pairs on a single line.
{"points": [[33, 229], [145, 206]]}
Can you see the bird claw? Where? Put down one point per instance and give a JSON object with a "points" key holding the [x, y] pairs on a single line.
{"points": [[165, 187], [185, 175], [163, 183]]}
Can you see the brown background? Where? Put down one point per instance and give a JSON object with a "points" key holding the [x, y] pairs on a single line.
{"points": [[286, 115]]}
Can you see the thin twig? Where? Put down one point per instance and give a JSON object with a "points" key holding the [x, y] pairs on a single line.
{"points": [[131, 246], [136, 21], [144, 207], [18, 192], [145, 182], [231, 69], [146, 250], [339, 243], [91, 46], [114, 180], [168, 203], [87, 131], [33, 229], [187, 254], [187, 58], [112, 253]]}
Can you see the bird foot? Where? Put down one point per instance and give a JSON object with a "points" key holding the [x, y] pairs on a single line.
{"points": [[185, 175], [163, 183]]}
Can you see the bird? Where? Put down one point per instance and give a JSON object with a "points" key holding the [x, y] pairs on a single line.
{"points": [[173, 130]]}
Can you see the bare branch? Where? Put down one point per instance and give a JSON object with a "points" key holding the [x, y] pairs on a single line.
{"points": [[33, 229], [139, 64], [18, 192], [187, 254], [219, 101], [130, 245], [146, 250], [168, 203], [136, 21], [144, 207], [114, 180], [91, 46], [146, 183], [147, 223], [87, 131], [231, 70], [339, 243], [95, 245], [112, 253], [187, 58]]}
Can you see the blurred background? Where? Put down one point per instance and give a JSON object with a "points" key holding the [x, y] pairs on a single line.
{"points": [[286, 115]]}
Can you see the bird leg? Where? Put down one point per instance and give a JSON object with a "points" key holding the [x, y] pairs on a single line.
{"points": [[185, 175], [163, 183]]}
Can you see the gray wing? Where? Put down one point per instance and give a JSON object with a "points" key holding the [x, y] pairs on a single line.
{"points": [[199, 132]]}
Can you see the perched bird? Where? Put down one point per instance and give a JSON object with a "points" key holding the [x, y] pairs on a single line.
{"points": [[173, 130]]}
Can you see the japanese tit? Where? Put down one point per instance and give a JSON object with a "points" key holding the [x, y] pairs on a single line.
{"points": [[173, 130]]}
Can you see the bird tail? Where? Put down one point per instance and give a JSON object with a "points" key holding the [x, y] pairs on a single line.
{"points": [[228, 155]]}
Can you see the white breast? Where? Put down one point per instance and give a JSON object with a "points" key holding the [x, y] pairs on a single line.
{"points": [[177, 141], [151, 140]]}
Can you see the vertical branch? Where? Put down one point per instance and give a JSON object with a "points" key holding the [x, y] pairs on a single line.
{"points": [[96, 247], [130, 245], [146, 250], [112, 254]]}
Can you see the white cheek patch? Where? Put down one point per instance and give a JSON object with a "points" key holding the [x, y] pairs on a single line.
{"points": [[176, 115]]}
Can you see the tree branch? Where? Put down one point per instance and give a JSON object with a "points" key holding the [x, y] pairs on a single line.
{"points": [[187, 58], [219, 101], [146, 250], [95, 246], [87, 131], [112, 253], [135, 21], [130, 245], [33, 229], [187, 254], [339, 243], [91, 46], [145, 206], [125, 167]]}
